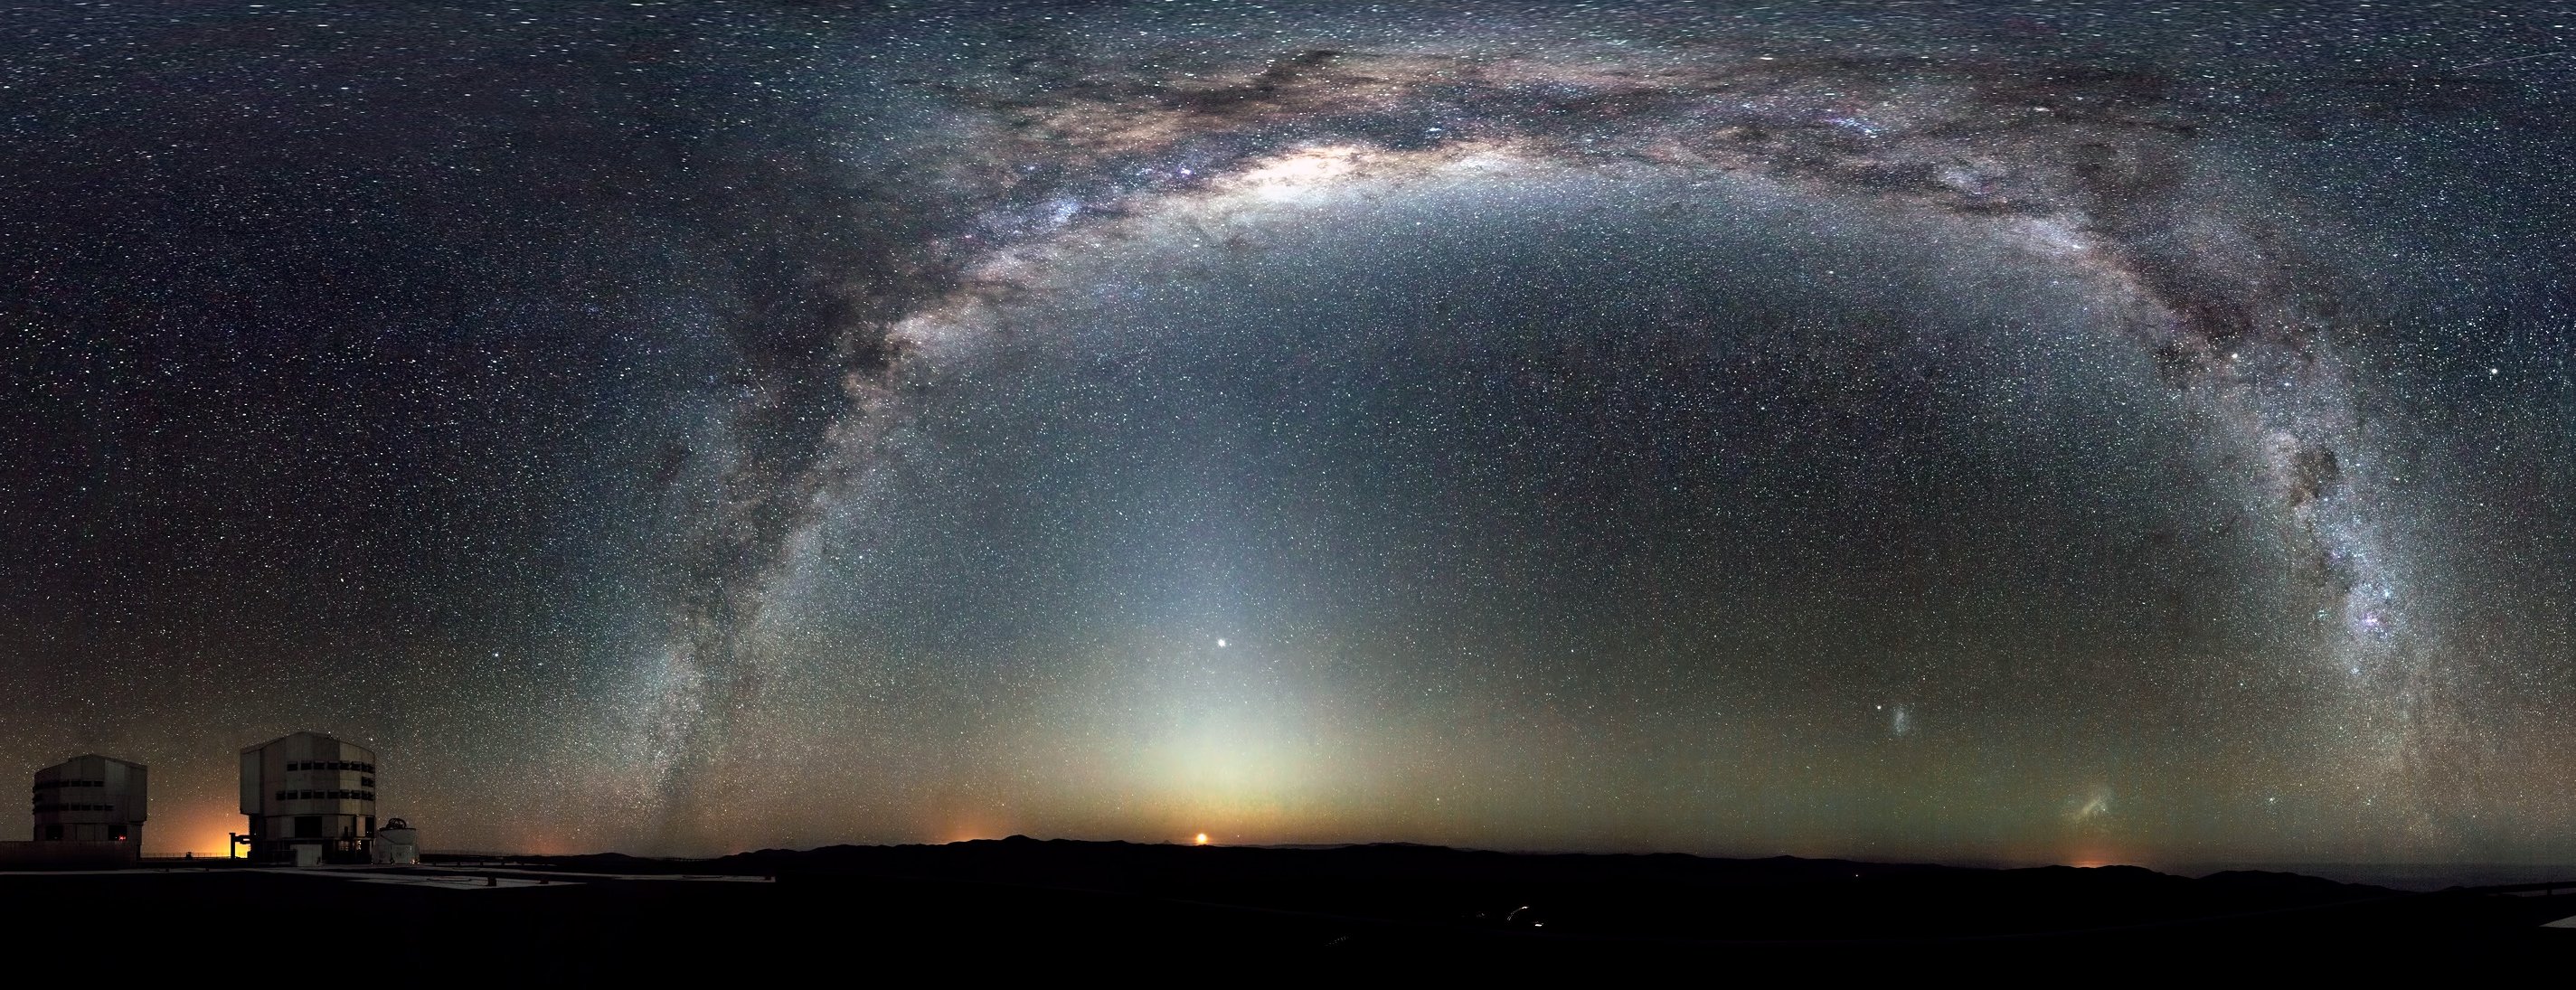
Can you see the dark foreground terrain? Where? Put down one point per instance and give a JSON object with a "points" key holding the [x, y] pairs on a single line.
{"points": [[988, 907]]}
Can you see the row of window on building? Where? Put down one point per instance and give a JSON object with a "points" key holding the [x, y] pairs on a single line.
{"points": [[332, 765], [44, 809], [326, 795], [55, 833], [47, 785]]}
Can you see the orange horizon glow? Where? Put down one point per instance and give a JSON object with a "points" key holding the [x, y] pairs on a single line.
{"points": [[200, 831], [2094, 860], [205, 831]]}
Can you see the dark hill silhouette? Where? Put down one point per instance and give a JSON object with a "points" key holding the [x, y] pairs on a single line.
{"points": [[978, 907], [1396, 894]]}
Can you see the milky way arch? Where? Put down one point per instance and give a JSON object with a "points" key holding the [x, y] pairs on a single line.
{"points": [[2110, 171]]}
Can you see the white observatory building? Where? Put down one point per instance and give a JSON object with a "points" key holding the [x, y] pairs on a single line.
{"points": [[91, 798], [397, 843], [311, 799]]}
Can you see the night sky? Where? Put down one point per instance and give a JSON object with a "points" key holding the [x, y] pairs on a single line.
{"points": [[1957, 431]]}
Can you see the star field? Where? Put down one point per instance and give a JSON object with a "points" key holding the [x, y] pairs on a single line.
{"points": [[1970, 432]]}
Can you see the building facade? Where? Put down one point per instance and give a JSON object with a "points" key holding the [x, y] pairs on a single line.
{"points": [[310, 799], [92, 798]]}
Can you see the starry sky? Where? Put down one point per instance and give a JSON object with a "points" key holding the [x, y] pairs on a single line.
{"points": [[1978, 432]]}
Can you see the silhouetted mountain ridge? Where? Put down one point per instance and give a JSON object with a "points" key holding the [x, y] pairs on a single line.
{"points": [[1653, 895]]}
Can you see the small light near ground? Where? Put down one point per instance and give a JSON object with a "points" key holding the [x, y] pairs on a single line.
{"points": [[1202, 838]]}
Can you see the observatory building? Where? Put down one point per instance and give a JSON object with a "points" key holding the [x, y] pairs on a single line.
{"points": [[89, 813], [397, 843], [91, 798], [310, 798]]}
